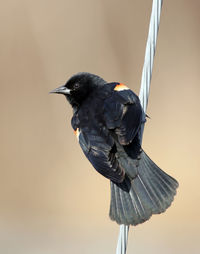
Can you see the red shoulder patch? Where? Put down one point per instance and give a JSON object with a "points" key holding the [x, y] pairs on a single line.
{"points": [[77, 133], [121, 87]]}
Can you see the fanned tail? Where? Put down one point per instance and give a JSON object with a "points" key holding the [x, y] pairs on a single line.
{"points": [[150, 192]]}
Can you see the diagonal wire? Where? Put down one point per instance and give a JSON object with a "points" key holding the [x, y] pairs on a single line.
{"points": [[144, 94]]}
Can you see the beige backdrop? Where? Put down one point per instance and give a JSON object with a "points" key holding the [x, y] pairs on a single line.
{"points": [[51, 199]]}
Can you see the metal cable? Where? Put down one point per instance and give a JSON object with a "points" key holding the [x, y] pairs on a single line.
{"points": [[144, 94]]}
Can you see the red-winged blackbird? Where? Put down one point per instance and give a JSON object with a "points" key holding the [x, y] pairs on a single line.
{"points": [[107, 118]]}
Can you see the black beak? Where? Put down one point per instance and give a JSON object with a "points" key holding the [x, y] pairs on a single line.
{"points": [[62, 90]]}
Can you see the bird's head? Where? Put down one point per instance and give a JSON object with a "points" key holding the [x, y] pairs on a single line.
{"points": [[78, 87]]}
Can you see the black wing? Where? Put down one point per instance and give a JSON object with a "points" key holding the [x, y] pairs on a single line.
{"points": [[120, 115], [100, 149], [123, 114]]}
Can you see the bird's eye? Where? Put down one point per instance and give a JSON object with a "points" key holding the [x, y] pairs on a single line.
{"points": [[76, 86]]}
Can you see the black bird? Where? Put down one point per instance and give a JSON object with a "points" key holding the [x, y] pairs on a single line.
{"points": [[107, 118]]}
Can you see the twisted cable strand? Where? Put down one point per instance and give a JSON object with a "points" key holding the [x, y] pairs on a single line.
{"points": [[149, 53], [144, 94]]}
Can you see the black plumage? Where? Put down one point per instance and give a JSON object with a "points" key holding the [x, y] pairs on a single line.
{"points": [[107, 118]]}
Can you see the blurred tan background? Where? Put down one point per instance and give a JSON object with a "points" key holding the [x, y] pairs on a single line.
{"points": [[51, 199]]}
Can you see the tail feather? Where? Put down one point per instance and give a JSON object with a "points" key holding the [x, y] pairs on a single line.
{"points": [[127, 204], [156, 190], [113, 208], [165, 183], [150, 192], [120, 204]]}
